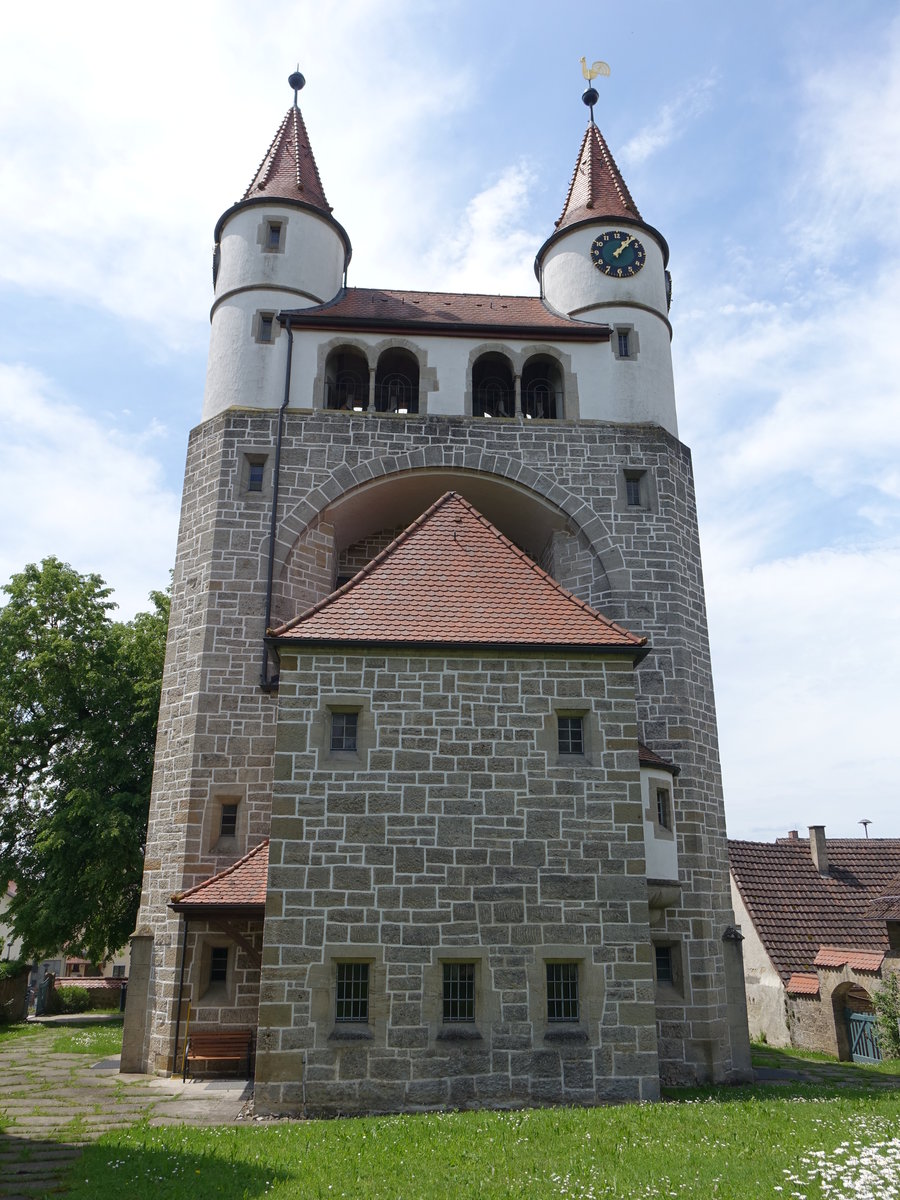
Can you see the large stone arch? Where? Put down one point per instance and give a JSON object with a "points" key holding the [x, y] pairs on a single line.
{"points": [[395, 489]]}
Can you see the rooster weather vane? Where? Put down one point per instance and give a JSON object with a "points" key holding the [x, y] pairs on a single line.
{"points": [[590, 95]]}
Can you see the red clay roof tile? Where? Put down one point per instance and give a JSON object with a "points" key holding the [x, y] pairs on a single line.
{"points": [[887, 905], [446, 313], [857, 960], [242, 885], [289, 169], [801, 984], [649, 758], [452, 578], [795, 910], [597, 188]]}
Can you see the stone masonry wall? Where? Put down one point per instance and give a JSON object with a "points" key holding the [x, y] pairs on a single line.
{"points": [[639, 566], [457, 833]]}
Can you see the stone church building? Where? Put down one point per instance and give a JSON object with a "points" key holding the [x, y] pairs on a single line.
{"points": [[437, 809]]}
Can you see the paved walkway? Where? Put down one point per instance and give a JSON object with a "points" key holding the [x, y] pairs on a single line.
{"points": [[51, 1104]]}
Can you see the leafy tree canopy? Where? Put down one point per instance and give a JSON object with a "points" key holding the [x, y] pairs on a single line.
{"points": [[79, 698]]}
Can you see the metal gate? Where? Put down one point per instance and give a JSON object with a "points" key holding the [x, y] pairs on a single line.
{"points": [[863, 1037]]}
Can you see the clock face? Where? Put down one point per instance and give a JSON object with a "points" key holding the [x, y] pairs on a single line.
{"points": [[617, 253]]}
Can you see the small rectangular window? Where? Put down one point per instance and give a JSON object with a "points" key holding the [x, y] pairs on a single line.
{"points": [[562, 992], [118, 971], [664, 972], [218, 964], [352, 992], [255, 476], [273, 235], [266, 327], [344, 727], [633, 490], [228, 827], [459, 992], [663, 808], [571, 735], [622, 336]]}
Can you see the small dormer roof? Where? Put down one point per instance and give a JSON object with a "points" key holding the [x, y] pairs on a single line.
{"points": [[289, 171], [597, 188]]}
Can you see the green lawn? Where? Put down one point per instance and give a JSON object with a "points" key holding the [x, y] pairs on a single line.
{"points": [[790, 1059], [100, 1041], [741, 1143]]}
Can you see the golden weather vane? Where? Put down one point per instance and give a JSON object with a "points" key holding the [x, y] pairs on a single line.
{"points": [[595, 69]]}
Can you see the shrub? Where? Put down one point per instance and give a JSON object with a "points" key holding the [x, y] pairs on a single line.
{"points": [[887, 1009], [73, 999], [12, 968]]}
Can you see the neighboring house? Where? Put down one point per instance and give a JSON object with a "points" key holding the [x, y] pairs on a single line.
{"points": [[821, 926], [437, 805]]}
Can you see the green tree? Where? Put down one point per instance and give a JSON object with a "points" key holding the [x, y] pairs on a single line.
{"points": [[79, 698], [887, 1009]]}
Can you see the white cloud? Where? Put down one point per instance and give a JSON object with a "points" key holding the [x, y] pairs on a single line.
{"points": [[670, 122], [78, 490]]}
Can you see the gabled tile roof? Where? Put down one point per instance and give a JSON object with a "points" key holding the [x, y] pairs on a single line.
{"points": [[240, 886], [801, 984], [796, 911], [452, 578], [289, 169], [597, 188], [447, 313], [857, 960], [649, 758], [887, 905]]}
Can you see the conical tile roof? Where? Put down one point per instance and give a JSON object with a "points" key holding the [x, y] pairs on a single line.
{"points": [[289, 169], [452, 578], [597, 188]]}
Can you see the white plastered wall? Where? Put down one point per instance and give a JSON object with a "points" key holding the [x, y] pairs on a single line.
{"points": [[766, 1009], [659, 843]]}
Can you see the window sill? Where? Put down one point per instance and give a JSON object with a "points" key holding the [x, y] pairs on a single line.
{"points": [[350, 1033]]}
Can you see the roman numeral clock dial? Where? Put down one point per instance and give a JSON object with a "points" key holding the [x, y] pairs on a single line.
{"points": [[617, 254]]}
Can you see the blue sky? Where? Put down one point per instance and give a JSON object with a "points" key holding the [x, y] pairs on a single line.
{"points": [[761, 140]]}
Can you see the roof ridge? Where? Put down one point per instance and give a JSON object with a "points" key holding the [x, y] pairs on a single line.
{"points": [[178, 897]]}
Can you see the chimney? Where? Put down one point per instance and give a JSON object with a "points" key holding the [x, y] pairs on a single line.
{"points": [[793, 835], [818, 848]]}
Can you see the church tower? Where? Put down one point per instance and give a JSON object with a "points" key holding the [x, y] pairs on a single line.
{"points": [[433, 842]]}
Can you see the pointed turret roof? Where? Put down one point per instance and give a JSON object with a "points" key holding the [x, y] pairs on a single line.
{"points": [[289, 169], [452, 578], [597, 188]]}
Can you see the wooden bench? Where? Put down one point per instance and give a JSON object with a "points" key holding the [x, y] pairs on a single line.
{"points": [[218, 1046]]}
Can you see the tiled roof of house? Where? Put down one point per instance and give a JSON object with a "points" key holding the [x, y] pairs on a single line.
{"points": [[887, 905], [857, 960], [597, 188], [801, 984], [649, 758], [443, 313], [452, 578], [242, 885], [796, 911], [289, 169]]}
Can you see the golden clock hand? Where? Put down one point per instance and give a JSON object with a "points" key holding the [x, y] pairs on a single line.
{"points": [[627, 242]]}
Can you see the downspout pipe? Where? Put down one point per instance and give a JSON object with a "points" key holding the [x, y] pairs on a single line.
{"points": [[271, 684], [180, 995]]}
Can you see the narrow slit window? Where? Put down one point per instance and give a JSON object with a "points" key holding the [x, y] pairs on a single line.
{"points": [[255, 476], [663, 808], [266, 327], [228, 827], [273, 235], [624, 343], [218, 964], [459, 992], [664, 972], [352, 992], [562, 992], [635, 489]]}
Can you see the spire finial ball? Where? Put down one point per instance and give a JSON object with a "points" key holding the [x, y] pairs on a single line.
{"points": [[296, 81], [590, 96]]}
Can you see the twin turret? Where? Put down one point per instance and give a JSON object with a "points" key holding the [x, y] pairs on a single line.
{"points": [[279, 248]]}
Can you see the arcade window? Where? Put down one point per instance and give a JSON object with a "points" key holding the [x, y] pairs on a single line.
{"points": [[562, 992], [352, 992], [459, 992], [571, 735], [344, 730]]}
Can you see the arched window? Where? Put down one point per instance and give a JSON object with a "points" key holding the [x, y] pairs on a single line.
{"points": [[542, 390], [397, 382], [347, 380], [493, 389]]}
